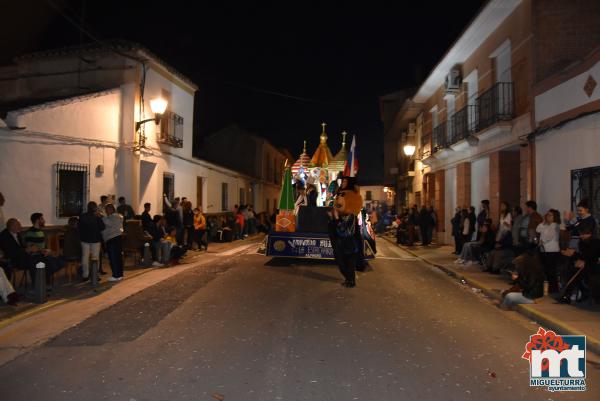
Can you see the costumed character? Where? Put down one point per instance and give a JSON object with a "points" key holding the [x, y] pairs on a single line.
{"points": [[333, 188], [344, 231], [301, 200]]}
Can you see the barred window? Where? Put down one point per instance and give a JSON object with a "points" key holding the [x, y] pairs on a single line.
{"points": [[171, 129], [72, 188]]}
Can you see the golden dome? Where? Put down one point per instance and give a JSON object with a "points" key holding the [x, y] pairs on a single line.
{"points": [[322, 156]]}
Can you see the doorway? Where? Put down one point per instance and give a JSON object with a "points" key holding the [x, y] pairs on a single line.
{"points": [[168, 188], [199, 189]]}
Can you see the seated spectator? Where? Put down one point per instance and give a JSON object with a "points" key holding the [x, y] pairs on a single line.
{"points": [[500, 258], [517, 218], [157, 231], [124, 209], [585, 274], [35, 243], [13, 248], [472, 251], [528, 281], [7, 292], [173, 252]]}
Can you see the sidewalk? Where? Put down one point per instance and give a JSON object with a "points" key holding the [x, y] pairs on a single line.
{"points": [[575, 319], [64, 292]]}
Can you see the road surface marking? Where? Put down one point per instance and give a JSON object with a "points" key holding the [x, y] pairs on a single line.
{"points": [[235, 250]]}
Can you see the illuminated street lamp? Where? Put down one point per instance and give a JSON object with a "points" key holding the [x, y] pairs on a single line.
{"points": [[409, 149], [158, 106]]}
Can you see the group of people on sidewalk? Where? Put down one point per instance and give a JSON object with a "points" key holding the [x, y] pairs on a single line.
{"points": [[413, 223], [532, 249]]}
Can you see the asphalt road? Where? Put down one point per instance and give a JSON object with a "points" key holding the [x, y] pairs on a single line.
{"points": [[251, 328]]}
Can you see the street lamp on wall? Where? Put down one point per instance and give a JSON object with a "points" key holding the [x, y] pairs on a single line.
{"points": [[409, 149], [158, 106]]}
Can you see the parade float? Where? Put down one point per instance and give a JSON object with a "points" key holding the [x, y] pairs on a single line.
{"points": [[303, 232]]}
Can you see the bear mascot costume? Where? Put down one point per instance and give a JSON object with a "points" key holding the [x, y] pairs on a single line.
{"points": [[343, 230]]}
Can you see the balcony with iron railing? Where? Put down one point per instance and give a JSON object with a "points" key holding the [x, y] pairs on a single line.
{"points": [[425, 150], [440, 137], [171, 130], [495, 104], [463, 123]]}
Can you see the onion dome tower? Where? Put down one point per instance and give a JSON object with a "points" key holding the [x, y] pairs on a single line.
{"points": [[322, 156], [302, 162]]}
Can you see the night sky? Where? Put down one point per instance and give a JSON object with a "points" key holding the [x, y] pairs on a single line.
{"points": [[327, 61]]}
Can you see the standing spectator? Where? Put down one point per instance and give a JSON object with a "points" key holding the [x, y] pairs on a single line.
{"points": [[425, 222], [484, 214], [433, 225], [200, 228], [2, 222], [412, 221], [472, 223], [112, 235], [549, 233], [517, 216], [125, 210], [505, 221], [239, 224], [36, 245], [188, 224], [146, 217], [172, 215], [90, 232], [102, 205], [534, 219], [466, 228], [455, 221]]}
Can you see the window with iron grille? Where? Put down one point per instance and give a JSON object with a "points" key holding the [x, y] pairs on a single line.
{"points": [[585, 185], [72, 189], [171, 129]]}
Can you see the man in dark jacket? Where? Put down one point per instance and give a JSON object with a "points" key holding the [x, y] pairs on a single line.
{"points": [[425, 222], [125, 210], [90, 232], [14, 249], [146, 217], [586, 266]]}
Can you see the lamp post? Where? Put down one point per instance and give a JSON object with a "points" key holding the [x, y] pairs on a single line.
{"points": [[158, 106]]}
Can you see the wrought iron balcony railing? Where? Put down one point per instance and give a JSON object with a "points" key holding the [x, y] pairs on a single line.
{"points": [[495, 104], [171, 129], [440, 138]]}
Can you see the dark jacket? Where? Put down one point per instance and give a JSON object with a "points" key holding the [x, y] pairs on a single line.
{"points": [[146, 220], [455, 221], [126, 211], [311, 198], [155, 231], [12, 249], [425, 218], [188, 218], [589, 252], [531, 275], [173, 218], [90, 228]]}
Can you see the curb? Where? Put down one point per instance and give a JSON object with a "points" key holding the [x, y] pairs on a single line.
{"points": [[549, 322], [27, 313]]}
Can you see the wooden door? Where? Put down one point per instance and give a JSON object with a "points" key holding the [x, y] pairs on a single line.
{"points": [[199, 186]]}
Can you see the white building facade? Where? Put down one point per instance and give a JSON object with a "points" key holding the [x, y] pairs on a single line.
{"points": [[56, 155]]}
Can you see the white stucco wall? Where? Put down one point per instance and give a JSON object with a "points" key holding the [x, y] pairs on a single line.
{"points": [[450, 203], [566, 96], [573, 146], [480, 181]]}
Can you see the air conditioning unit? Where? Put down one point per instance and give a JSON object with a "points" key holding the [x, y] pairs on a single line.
{"points": [[453, 81]]}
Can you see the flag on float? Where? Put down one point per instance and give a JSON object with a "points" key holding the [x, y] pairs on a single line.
{"points": [[351, 164]]}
